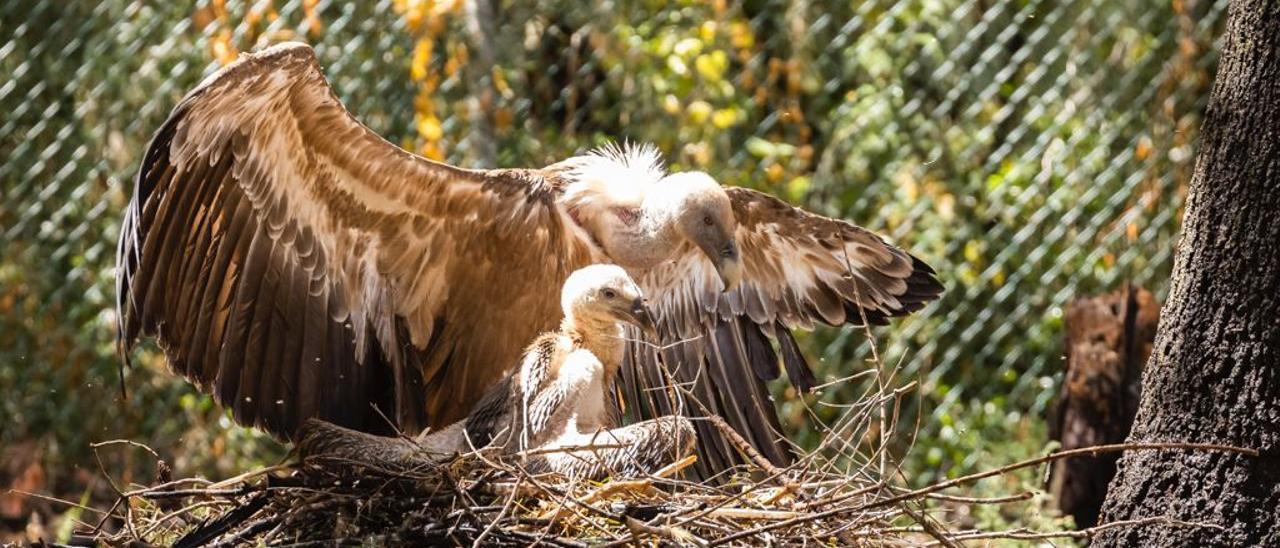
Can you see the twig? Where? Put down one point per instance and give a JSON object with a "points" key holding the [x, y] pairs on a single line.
{"points": [[1025, 495], [502, 514], [183, 493], [1088, 533], [980, 475], [139, 445], [929, 527], [744, 446], [57, 500], [1092, 451], [250, 474]]}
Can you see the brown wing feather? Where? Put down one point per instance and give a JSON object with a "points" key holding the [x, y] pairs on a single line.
{"points": [[799, 269], [296, 265], [803, 268]]}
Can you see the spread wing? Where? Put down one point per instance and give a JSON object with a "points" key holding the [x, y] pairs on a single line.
{"points": [[799, 269], [296, 265]]}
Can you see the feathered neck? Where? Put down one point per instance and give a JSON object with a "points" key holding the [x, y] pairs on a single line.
{"points": [[603, 338], [614, 193]]}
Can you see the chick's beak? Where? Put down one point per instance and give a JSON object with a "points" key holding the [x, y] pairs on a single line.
{"points": [[729, 266], [643, 318]]}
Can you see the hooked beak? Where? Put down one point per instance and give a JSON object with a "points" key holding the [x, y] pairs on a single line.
{"points": [[729, 266], [642, 317]]}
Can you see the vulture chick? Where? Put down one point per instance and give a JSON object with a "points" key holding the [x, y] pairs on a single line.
{"points": [[560, 396], [294, 264]]}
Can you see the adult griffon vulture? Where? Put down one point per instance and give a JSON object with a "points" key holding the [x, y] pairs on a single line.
{"points": [[295, 264]]}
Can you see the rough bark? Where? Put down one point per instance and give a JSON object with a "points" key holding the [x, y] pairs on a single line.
{"points": [[1214, 374]]}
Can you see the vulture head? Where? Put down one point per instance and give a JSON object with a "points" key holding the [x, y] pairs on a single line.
{"points": [[642, 216], [603, 295], [704, 217]]}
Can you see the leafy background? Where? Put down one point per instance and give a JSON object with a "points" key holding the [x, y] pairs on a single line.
{"points": [[1031, 150]]}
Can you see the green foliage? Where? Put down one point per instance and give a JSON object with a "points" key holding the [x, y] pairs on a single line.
{"points": [[986, 437]]}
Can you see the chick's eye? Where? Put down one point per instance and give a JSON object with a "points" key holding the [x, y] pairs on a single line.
{"points": [[708, 220], [609, 294]]}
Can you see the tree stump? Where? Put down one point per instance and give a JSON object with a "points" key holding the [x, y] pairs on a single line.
{"points": [[1108, 341]]}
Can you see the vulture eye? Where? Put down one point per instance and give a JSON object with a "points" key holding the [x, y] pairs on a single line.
{"points": [[708, 220], [609, 294]]}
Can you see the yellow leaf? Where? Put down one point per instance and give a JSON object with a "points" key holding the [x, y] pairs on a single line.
{"points": [[422, 103], [314, 25], [798, 187], [740, 35], [946, 205], [452, 65], [223, 50], [432, 150], [429, 128], [447, 6], [774, 172], [707, 31], [1143, 150], [419, 65], [500, 82], [723, 118], [699, 111], [688, 47], [973, 251], [414, 12], [712, 65]]}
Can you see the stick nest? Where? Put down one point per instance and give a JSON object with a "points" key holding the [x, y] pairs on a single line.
{"points": [[482, 498], [846, 491]]}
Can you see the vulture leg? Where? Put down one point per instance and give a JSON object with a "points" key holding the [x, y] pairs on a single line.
{"points": [[629, 451]]}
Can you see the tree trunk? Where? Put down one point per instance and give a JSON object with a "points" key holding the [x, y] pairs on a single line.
{"points": [[1215, 373]]}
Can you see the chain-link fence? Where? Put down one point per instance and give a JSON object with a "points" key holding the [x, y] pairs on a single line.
{"points": [[1031, 150]]}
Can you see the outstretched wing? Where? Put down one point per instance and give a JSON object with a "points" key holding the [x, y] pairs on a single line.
{"points": [[296, 265], [798, 269]]}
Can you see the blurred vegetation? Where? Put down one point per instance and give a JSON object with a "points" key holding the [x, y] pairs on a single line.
{"points": [[1031, 151]]}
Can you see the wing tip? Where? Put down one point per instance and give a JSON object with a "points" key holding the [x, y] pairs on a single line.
{"points": [[924, 279], [923, 287]]}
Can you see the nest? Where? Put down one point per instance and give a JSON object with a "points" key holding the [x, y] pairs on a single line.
{"points": [[847, 491], [486, 498]]}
